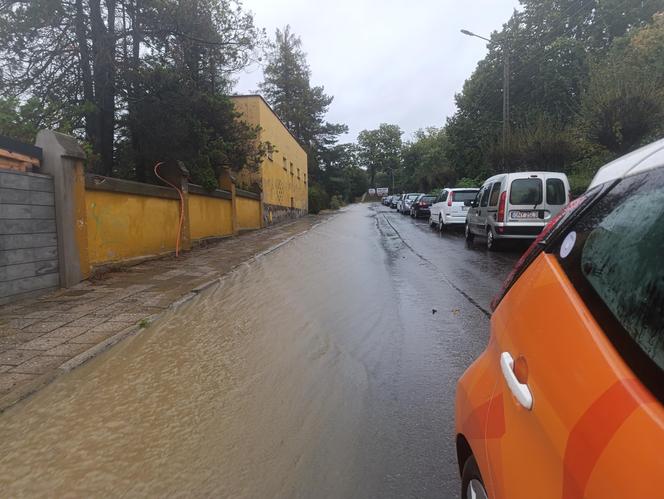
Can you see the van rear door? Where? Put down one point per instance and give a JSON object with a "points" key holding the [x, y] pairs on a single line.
{"points": [[556, 192], [525, 200]]}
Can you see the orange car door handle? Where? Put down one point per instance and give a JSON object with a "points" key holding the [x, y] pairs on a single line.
{"points": [[518, 389]]}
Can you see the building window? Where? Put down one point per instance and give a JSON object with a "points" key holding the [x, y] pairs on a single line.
{"points": [[285, 163], [270, 151], [291, 168], [298, 173], [305, 178]]}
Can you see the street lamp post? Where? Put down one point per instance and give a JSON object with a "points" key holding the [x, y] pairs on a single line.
{"points": [[506, 86]]}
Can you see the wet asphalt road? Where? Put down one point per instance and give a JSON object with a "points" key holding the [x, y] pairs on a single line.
{"points": [[428, 271], [317, 371]]}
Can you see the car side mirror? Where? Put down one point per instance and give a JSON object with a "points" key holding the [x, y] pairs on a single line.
{"points": [[474, 204], [468, 203]]}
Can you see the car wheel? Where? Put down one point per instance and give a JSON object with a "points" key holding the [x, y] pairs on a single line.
{"points": [[472, 485], [441, 224], [469, 235], [491, 243], [431, 222]]}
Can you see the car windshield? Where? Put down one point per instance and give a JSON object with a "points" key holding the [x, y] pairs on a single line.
{"points": [[428, 199]]}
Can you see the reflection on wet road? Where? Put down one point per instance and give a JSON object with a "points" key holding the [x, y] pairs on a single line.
{"points": [[318, 370]]}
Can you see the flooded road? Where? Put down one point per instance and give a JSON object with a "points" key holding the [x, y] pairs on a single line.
{"points": [[316, 371]]}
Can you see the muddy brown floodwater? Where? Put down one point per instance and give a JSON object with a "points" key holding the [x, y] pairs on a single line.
{"points": [[317, 371]]}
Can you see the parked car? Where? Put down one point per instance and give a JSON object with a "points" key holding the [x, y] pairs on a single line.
{"points": [[516, 206], [420, 207], [394, 202], [406, 201], [450, 207], [567, 399], [383, 200]]}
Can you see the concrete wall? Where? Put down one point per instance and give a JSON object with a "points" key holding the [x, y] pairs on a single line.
{"points": [[210, 216], [28, 241], [283, 174], [248, 212], [123, 225]]}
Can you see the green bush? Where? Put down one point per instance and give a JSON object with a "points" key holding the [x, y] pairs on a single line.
{"points": [[336, 202], [318, 199]]}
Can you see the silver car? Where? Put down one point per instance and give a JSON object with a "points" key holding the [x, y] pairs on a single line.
{"points": [[516, 206], [407, 201]]}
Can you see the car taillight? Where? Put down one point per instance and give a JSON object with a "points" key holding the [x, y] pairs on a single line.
{"points": [[501, 206], [450, 198], [533, 250]]}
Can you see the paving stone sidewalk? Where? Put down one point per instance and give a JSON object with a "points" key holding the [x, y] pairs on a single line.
{"points": [[43, 337]]}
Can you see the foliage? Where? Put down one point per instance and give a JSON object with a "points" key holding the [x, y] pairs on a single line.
{"points": [[22, 121], [380, 150], [93, 67], [425, 165], [468, 182], [178, 120], [318, 198], [336, 202], [573, 79]]}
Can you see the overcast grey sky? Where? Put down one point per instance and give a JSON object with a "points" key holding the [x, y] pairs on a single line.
{"points": [[384, 61]]}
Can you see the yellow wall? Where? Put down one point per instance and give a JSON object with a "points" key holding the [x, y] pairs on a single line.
{"points": [[248, 213], [123, 226], [209, 216], [279, 184]]}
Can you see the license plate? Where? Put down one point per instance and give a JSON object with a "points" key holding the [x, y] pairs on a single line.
{"points": [[524, 214], [464, 208]]}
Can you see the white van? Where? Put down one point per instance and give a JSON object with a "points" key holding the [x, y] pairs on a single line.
{"points": [[516, 206]]}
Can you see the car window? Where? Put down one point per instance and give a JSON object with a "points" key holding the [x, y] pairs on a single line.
{"points": [[485, 196], [555, 191], [615, 261], [526, 191], [428, 199], [464, 195], [495, 194], [443, 197]]}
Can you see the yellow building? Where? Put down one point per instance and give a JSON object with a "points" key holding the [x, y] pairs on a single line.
{"points": [[283, 176]]}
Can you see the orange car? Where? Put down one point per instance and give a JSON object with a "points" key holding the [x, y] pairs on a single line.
{"points": [[567, 399]]}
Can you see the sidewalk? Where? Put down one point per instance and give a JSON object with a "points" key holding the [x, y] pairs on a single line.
{"points": [[43, 337]]}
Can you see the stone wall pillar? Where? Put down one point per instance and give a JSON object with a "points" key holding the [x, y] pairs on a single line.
{"points": [[63, 159]]}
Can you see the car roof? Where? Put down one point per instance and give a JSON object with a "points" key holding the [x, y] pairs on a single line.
{"points": [[454, 189], [643, 159]]}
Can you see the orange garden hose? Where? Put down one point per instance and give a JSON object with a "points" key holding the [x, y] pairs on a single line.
{"points": [[177, 241]]}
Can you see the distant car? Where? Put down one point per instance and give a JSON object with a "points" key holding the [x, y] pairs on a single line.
{"points": [[385, 200], [420, 207], [407, 201], [567, 400], [451, 208], [394, 202], [516, 206]]}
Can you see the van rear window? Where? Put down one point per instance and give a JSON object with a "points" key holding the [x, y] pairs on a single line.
{"points": [[526, 191], [555, 191]]}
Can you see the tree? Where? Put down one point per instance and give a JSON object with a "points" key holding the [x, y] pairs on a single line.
{"points": [[380, 150], [425, 165], [301, 106], [84, 57]]}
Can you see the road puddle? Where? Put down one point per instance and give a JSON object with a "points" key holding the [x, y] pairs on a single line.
{"points": [[256, 389]]}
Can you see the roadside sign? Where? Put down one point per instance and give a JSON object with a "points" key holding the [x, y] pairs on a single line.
{"points": [[372, 192], [382, 191]]}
